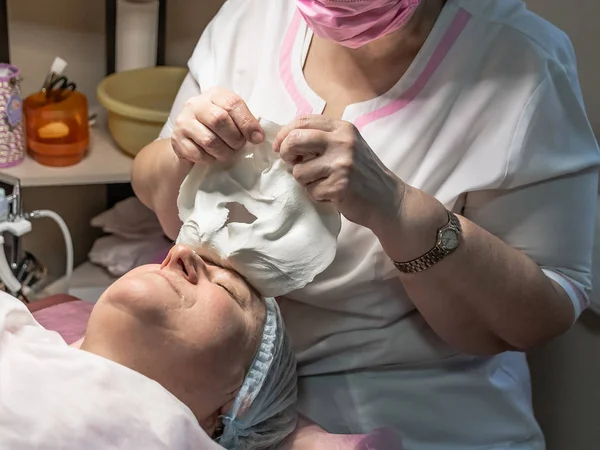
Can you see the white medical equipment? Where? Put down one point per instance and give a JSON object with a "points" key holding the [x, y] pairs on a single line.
{"points": [[14, 221]]}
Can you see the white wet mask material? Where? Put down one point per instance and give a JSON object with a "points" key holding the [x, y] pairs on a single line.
{"points": [[251, 215]]}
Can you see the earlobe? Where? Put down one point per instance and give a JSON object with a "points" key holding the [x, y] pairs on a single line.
{"points": [[211, 424], [227, 406]]}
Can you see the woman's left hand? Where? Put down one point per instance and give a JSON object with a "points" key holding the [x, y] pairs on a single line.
{"points": [[336, 165]]}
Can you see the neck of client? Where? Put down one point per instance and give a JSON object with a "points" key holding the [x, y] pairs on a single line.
{"points": [[133, 341]]}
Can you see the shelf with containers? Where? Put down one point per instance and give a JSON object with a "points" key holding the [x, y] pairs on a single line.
{"points": [[104, 163], [105, 166]]}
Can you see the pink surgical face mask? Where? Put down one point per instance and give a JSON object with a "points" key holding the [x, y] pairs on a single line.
{"points": [[354, 23]]}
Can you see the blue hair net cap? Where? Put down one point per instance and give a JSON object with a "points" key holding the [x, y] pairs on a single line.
{"points": [[264, 411]]}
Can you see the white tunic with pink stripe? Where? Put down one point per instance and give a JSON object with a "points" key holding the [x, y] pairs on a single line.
{"points": [[489, 119], [55, 397]]}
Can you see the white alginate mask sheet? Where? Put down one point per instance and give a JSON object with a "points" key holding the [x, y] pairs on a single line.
{"points": [[251, 215]]}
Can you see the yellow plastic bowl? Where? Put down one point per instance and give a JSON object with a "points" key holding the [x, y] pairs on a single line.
{"points": [[138, 103]]}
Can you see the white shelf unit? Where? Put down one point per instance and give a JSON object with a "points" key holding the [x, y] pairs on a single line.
{"points": [[104, 164]]}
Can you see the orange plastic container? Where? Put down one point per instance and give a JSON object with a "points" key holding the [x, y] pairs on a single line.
{"points": [[57, 132]]}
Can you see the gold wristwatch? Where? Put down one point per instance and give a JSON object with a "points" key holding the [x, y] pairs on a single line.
{"points": [[448, 239]]}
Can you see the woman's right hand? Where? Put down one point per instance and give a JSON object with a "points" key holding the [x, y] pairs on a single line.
{"points": [[213, 126]]}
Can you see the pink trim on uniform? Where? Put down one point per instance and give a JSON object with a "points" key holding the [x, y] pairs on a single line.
{"points": [[303, 106], [452, 34], [285, 67]]}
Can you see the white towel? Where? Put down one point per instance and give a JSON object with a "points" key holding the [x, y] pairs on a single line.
{"points": [[135, 238], [119, 255], [59, 398], [129, 219]]}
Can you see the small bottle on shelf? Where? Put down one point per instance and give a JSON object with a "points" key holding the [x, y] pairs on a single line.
{"points": [[57, 131]]}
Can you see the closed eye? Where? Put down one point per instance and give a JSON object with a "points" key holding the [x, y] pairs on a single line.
{"points": [[225, 288], [231, 276], [231, 293]]}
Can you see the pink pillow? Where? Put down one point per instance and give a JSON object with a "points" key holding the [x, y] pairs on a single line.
{"points": [[68, 319]]}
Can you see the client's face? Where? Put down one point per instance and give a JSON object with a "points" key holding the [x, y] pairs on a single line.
{"points": [[192, 326]]}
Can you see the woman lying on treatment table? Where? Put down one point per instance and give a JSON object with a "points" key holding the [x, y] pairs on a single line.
{"points": [[185, 334]]}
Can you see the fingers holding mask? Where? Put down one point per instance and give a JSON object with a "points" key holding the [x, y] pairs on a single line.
{"points": [[211, 143], [213, 126], [311, 172], [187, 150], [335, 164], [301, 145], [196, 143], [323, 178], [237, 122], [217, 121], [309, 144], [300, 127]]}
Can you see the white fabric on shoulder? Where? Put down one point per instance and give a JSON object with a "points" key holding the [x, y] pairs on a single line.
{"points": [[56, 397], [201, 65], [554, 136], [537, 219], [551, 176], [242, 36]]}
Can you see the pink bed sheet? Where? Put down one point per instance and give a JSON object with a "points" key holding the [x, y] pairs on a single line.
{"points": [[66, 315]]}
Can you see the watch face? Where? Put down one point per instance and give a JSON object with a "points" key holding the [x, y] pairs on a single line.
{"points": [[449, 239]]}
